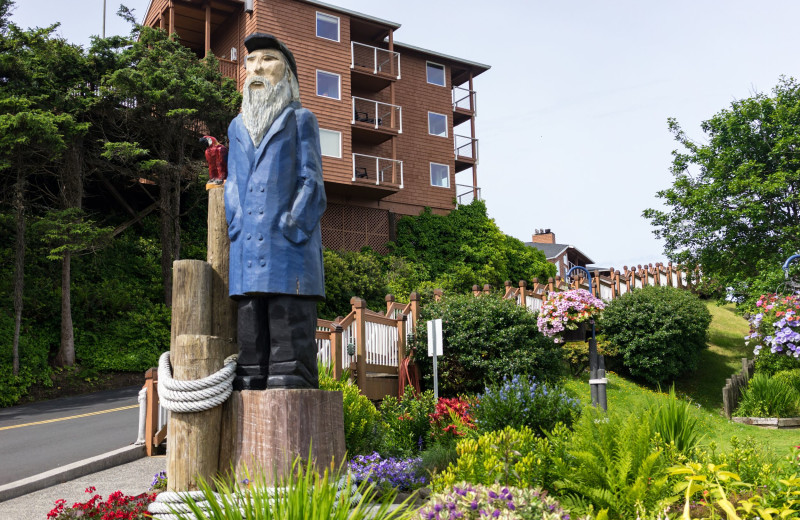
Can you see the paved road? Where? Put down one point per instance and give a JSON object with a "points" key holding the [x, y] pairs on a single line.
{"points": [[69, 429]]}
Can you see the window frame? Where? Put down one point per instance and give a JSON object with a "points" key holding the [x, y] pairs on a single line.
{"points": [[446, 124], [444, 74], [340, 143], [338, 26], [430, 168], [338, 85]]}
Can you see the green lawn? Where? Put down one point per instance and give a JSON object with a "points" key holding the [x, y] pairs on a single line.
{"points": [[704, 387]]}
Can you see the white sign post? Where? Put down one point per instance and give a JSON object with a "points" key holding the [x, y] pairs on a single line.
{"points": [[435, 349]]}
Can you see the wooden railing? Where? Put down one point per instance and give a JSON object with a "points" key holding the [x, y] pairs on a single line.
{"points": [[606, 285]]}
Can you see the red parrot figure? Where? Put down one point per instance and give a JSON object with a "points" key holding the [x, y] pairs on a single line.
{"points": [[217, 157]]}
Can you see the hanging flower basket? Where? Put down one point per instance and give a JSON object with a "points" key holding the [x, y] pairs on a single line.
{"points": [[578, 334], [566, 312]]}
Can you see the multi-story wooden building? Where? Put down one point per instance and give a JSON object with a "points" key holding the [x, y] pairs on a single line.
{"points": [[386, 110]]}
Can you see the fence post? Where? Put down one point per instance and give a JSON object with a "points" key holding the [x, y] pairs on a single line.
{"points": [[523, 287], [551, 287], [401, 340], [359, 306], [151, 419], [508, 288], [487, 289], [437, 294], [414, 299], [476, 290], [389, 301], [336, 349]]}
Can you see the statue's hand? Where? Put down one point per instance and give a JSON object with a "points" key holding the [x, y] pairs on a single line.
{"points": [[291, 230], [235, 226]]}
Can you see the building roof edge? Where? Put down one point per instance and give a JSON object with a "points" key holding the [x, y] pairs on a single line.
{"points": [[393, 25], [444, 56]]}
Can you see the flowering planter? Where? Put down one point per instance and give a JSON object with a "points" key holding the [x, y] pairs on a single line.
{"points": [[770, 423], [578, 334]]}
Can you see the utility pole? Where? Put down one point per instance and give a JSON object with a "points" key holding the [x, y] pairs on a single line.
{"points": [[104, 18]]}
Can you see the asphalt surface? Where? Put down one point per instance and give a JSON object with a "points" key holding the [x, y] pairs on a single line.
{"points": [[60, 438]]}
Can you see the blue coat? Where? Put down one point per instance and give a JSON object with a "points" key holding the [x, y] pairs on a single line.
{"points": [[274, 199]]}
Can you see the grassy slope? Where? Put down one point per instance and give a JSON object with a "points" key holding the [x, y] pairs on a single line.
{"points": [[704, 387]]}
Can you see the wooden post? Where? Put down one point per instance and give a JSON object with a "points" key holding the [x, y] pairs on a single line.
{"points": [[414, 299], [389, 301], [476, 290], [487, 289], [151, 419], [401, 339], [336, 350], [359, 306], [508, 289], [223, 308], [437, 294], [191, 314], [551, 286], [193, 439], [208, 28], [523, 289], [171, 19]]}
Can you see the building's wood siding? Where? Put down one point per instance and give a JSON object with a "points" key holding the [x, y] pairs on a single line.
{"points": [[294, 23]]}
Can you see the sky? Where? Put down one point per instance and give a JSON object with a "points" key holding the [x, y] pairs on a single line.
{"points": [[572, 116]]}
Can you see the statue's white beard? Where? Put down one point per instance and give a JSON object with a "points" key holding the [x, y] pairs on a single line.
{"points": [[261, 106]]}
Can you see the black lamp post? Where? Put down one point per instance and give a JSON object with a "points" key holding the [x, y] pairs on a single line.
{"points": [[597, 365]]}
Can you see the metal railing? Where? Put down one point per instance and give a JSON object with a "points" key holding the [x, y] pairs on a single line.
{"points": [[464, 99], [466, 147], [374, 58], [379, 169], [381, 115], [468, 193]]}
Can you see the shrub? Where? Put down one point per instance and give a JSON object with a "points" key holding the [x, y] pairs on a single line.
{"points": [[116, 505], [611, 463], [485, 339], [660, 331], [451, 420], [773, 325], [576, 353], [303, 495], [791, 377], [769, 397], [406, 424], [522, 401], [361, 419], [387, 474], [477, 501], [676, 425]]}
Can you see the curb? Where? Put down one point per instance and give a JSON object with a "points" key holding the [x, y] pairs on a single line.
{"points": [[71, 471]]}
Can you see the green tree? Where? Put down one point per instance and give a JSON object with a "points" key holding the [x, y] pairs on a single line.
{"points": [[465, 248], [734, 205], [166, 98]]}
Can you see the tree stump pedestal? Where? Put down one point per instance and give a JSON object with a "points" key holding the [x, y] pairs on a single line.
{"points": [[272, 427]]}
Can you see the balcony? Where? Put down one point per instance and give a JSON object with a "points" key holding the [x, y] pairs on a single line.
{"points": [[466, 193], [375, 122], [373, 68], [464, 105], [466, 152], [373, 178]]}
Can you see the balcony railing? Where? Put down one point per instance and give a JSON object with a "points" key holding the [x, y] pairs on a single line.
{"points": [[466, 193], [380, 115], [369, 58], [466, 148], [380, 169], [228, 68], [464, 99]]}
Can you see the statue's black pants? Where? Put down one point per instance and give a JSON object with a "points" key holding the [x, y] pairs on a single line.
{"points": [[277, 344]]}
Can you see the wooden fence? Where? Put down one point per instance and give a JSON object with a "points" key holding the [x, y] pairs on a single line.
{"points": [[606, 285], [732, 391]]}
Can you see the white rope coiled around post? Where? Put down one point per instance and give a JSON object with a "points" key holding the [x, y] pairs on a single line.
{"points": [[197, 395]]}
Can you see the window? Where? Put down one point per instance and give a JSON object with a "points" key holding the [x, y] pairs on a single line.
{"points": [[328, 84], [437, 124], [331, 143], [436, 74], [440, 175], [327, 26]]}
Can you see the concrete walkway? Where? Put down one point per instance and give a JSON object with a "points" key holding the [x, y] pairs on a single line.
{"points": [[132, 478]]}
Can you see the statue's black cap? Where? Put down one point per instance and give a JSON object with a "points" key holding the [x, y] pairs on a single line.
{"points": [[259, 40]]}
